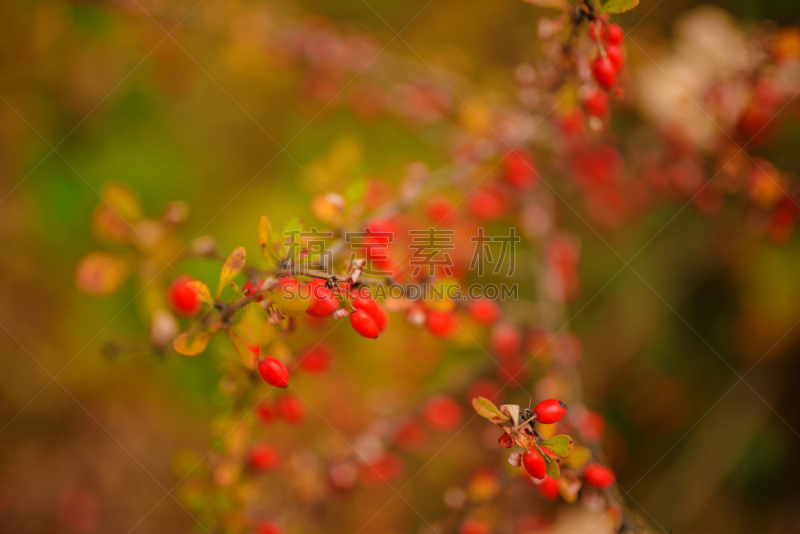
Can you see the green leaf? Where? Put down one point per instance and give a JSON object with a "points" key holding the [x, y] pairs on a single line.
{"points": [[615, 7], [232, 267], [486, 408], [560, 445], [551, 467]]}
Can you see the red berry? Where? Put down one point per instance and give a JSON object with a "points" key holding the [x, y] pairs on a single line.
{"points": [[316, 360], [548, 489], [362, 300], [598, 476], [363, 323], [265, 412], [382, 470], [264, 457], [291, 409], [596, 103], [505, 440], [550, 411], [440, 324], [506, 340], [484, 311], [534, 464], [409, 435], [613, 35], [182, 298], [614, 54], [520, 172], [442, 412], [592, 31], [252, 286], [380, 316], [486, 204], [268, 527], [440, 210], [474, 526], [604, 73], [323, 302], [273, 372]]}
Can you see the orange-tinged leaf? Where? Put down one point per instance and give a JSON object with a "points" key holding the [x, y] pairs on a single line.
{"points": [[486, 408], [203, 293], [254, 325], [243, 349], [101, 273], [191, 344], [232, 267], [123, 200], [265, 236]]}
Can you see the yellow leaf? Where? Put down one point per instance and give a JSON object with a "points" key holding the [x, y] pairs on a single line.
{"points": [[203, 293], [190, 344], [254, 325], [578, 457], [233, 266], [123, 200], [264, 236], [248, 352], [486, 408], [101, 273]]}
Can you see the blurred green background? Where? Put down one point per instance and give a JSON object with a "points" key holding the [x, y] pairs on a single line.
{"points": [[94, 92]]}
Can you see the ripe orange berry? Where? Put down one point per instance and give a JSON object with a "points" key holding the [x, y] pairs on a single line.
{"points": [[182, 298], [264, 457], [273, 372], [598, 476], [550, 411], [534, 464], [363, 323]]}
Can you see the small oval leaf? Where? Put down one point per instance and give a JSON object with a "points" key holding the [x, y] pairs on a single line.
{"points": [[203, 293], [560, 445], [486, 408], [191, 344], [579, 457], [232, 267], [100, 273], [551, 467], [265, 236], [615, 7]]}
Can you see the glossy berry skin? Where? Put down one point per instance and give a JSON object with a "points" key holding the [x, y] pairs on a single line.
{"points": [[291, 409], [316, 360], [363, 323], [381, 317], [273, 372], [598, 476], [534, 464], [604, 73], [252, 286], [182, 298], [548, 489], [322, 302], [613, 35], [550, 411], [264, 457], [614, 55], [484, 311]]}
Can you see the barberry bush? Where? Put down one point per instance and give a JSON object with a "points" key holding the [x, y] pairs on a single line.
{"points": [[497, 299]]}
